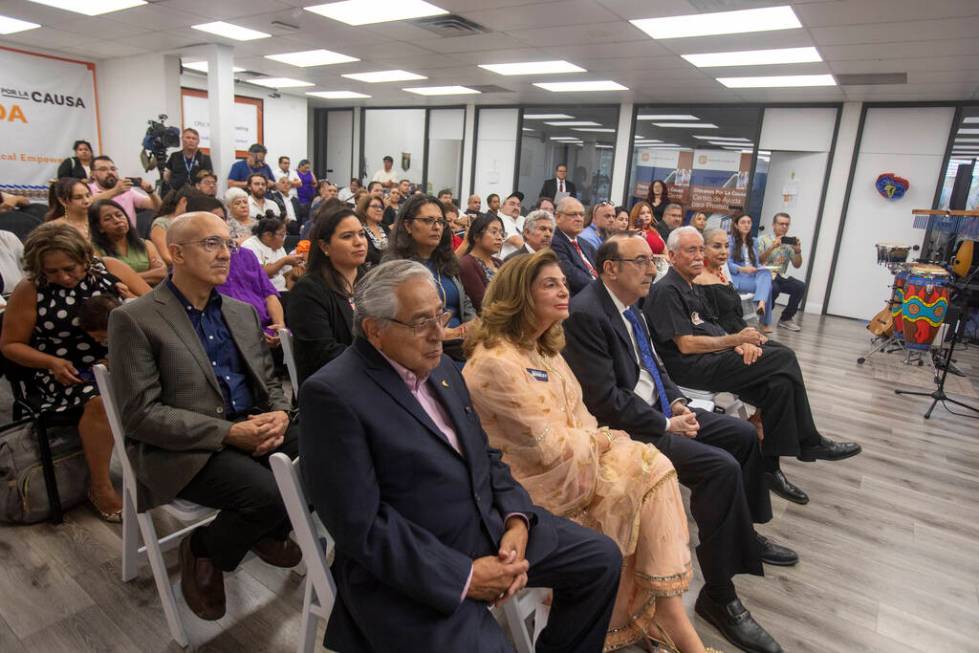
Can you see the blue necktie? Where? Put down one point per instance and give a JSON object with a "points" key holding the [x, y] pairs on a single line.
{"points": [[648, 361]]}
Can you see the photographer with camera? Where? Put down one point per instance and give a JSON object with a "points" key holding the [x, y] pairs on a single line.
{"points": [[107, 185], [778, 249], [184, 164], [253, 164]]}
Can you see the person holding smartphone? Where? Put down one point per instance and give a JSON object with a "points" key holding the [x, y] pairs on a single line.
{"points": [[779, 249], [107, 185]]}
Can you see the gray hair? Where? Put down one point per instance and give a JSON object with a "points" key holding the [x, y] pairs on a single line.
{"points": [[540, 215], [710, 232], [375, 295], [565, 204], [672, 205], [232, 194], [673, 242]]}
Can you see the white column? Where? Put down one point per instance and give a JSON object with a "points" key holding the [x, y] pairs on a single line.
{"points": [[355, 154], [623, 150], [221, 106], [468, 149]]}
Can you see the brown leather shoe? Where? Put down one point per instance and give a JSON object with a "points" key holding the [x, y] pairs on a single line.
{"points": [[202, 584], [278, 553]]}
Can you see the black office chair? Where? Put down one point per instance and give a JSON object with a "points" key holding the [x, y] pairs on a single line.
{"points": [[144, 222], [19, 222]]}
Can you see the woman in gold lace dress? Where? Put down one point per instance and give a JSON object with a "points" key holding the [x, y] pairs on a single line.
{"points": [[530, 405]]}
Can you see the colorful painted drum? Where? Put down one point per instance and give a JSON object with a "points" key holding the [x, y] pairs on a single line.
{"points": [[924, 305], [897, 303]]}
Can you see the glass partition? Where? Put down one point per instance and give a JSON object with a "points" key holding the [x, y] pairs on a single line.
{"points": [[446, 129]]}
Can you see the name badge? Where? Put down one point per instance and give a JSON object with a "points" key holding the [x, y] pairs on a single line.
{"points": [[540, 375], [695, 318]]}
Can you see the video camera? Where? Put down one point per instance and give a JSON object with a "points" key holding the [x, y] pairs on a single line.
{"points": [[157, 139]]}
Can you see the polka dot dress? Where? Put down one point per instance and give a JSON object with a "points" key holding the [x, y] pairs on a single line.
{"points": [[56, 332]]}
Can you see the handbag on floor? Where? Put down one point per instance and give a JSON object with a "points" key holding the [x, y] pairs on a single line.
{"points": [[23, 495]]}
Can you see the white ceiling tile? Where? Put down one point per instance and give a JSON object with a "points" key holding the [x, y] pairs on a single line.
{"points": [[230, 9], [826, 14], [886, 51], [611, 32], [907, 32], [578, 53], [550, 14], [471, 43]]}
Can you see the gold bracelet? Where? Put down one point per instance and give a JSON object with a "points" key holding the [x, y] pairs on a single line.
{"points": [[608, 434]]}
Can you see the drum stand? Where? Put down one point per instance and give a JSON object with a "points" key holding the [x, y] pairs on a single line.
{"points": [[886, 344]]}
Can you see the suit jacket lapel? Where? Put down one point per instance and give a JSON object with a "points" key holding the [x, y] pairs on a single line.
{"points": [[450, 401], [615, 318], [176, 316], [242, 331]]}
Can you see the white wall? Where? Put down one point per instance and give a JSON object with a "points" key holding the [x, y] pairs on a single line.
{"points": [[496, 148], [446, 128], [339, 147], [911, 143], [390, 132]]}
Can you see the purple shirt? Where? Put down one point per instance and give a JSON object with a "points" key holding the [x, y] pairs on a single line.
{"points": [[248, 282]]}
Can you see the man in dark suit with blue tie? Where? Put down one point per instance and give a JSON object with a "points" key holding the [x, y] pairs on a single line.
{"points": [[430, 526], [575, 255], [717, 456]]}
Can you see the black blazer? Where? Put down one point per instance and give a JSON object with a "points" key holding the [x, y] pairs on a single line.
{"points": [[72, 167], [571, 264], [321, 321], [408, 512], [549, 189], [601, 354], [520, 252]]}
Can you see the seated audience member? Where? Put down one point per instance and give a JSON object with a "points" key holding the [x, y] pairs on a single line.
{"points": [[658, 199], [620, 222], [370, 210], [258, 205], [420, 234], [772, 251], [569, 464], [445, 196], [348, 193], [11, 254], [93, 317], [405, 187], [576, 256], [198, 202], [544, 204], [538, 230], [558, 187], [279, 194], [73, 199], [392, 202], [253, 164], [746, 275], [248, 282], [174, 204], [386, 176], [722, 300], [112, 236], [106, 185], [41, 332], [716, 456], [324, 207], [459, 225], [596, 230], [430, 526], [307, 188], [699, 221], [480, 261], [671, 219], [376, 189], [267, 243], [282, 171], [474, 204], [493, 203], [325, 190], [240, 220], [182, 165], [509, 214], [320, 309], [204, 432], [80, 165], [206, 182], [700, 354], [12, 201], [641, 219]]}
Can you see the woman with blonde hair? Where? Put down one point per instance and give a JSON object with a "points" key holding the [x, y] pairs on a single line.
{"points": [[531, 408]]}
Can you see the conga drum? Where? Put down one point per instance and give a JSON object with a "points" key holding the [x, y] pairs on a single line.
{"points": [[897, 303], [924, 305]]}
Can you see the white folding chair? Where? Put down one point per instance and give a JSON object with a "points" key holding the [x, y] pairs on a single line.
{"points": [[530, 601], [748, 307], [707, 400], [289, 356], [321, 590], [136, 523]]}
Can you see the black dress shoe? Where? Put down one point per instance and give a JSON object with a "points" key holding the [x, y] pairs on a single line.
{"points": [[781, 486], [736, 624], [776, 554], [829, 450]]}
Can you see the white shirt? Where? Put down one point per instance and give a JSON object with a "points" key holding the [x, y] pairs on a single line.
{"points": [[385, 176], [267, 255], [346, 195], [258, 212], [511, 227], [293, 176], [11, 251], [645, 387]]}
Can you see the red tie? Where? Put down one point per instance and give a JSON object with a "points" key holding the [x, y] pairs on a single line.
{"points": [[591, 268], [562, 186]]}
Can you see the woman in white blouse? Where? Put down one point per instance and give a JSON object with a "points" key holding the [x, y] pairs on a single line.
{"points": [[269, 236]]}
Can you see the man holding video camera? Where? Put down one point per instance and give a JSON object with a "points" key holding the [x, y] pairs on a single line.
{"points": [[778, 249], [107, 185]]}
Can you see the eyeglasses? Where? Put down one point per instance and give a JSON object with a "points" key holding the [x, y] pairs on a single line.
{"points": [[429, 222], [575, 214], [426, 325], [214, 243], [641, 261]]}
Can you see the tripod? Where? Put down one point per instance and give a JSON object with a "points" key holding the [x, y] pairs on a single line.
{"points": [[958, 327]]}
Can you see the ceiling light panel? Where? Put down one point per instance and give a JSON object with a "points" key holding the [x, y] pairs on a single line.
{"points": [[337, 95], [971, 119], [229, 31], [720, 138], [91, 7], [442, 90], [778, 81], [13, 25], [723, 22], [580, 87], [279, 82], [384, 76], [201, 66], [689, 125], [967, 131], [311, 58], [574, 123], [602, 130], [546, 116], [533, 68], [666, 116], [754, 57], [366, 12]]}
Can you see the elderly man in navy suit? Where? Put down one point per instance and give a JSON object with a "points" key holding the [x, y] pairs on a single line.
{"points": [[430, 526], [576, 255]]}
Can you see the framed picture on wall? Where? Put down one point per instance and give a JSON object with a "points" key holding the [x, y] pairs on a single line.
{"points": [[248, 119]]}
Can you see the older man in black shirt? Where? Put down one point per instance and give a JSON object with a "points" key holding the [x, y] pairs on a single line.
{"points": [[699, 354]]}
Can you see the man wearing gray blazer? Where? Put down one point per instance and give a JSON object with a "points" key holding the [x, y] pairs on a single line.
{"points": [[203, 411]]}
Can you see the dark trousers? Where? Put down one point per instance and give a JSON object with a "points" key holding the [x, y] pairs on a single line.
{"points": [[722, 466], [244, 490], [773, 383], [795, 288]]}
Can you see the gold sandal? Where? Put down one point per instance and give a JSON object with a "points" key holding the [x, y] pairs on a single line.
{"points": [[670, 647], [111, 517]]}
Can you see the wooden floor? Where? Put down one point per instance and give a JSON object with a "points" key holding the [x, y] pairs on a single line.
{"points": [[889, 543]]}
